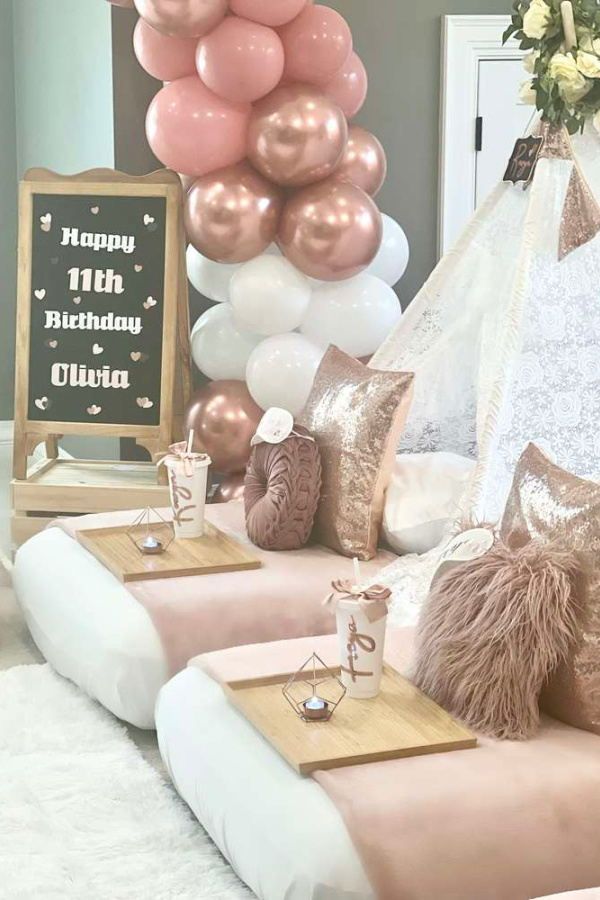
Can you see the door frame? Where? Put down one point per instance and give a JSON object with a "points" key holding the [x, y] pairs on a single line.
{"points": [[466, 40]]}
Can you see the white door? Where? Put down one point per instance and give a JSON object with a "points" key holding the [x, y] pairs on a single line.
{"points": [[480, 107], [501, 119]]}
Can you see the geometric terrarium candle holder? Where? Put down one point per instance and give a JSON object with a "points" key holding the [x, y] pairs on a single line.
{"points": [[150, 533], [314, 692]]}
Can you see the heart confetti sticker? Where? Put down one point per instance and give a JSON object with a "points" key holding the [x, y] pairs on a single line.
{"points": [[144, 403], [149, 303], [52, 344], [42, 403], [94, 210], [94, 410], [46, 222], [138, 267], [97, 349], [40, 294], [148, 220], [76, 300], [136, 356]]}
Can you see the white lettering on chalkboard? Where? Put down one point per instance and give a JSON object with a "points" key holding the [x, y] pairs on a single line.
{"points": [[89, 321], [74, 375], [109, 242], [100, 281]]}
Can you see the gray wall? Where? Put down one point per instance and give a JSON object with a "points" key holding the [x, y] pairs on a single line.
{"points": [[399, 42], [8, 211]]}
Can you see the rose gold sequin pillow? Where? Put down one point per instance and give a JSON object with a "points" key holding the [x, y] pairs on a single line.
{"points": [[549, 504], [356, 415]]}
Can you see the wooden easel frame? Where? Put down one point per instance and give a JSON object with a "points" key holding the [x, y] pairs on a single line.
{"points": [[176, 367]]}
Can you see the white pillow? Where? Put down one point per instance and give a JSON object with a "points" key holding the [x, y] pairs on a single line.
{"points": [[422, 499]]}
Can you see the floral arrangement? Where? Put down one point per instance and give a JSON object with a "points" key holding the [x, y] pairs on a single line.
{"points": [[565, 85]]}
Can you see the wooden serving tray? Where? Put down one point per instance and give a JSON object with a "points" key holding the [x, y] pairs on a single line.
{"points": [[207, 555], [401, 721]]}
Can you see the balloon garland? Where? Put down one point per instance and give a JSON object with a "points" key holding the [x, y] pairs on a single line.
{"points": [[285, 236]]}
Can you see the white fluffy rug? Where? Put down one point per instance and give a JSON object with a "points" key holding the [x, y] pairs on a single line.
{"points": [[82, 815]]}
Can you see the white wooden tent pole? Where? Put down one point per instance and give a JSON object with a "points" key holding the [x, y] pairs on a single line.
{"points": [[566, 9]]}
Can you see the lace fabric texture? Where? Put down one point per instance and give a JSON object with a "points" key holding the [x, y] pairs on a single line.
{"points": [[504, 340]]}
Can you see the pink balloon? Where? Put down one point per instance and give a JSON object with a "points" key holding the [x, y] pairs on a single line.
{"points": [[363, 163], [330, 230], [240, 60], [232, 215], [184, 18], [348, 87], [317, 44], [193, 131], [296, 135], [163, 57], [268, 12]]}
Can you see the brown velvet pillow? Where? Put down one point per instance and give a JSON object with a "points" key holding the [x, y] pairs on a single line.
{"points": [[549, 504], [356, 415], [492, 630], [281, 493]]}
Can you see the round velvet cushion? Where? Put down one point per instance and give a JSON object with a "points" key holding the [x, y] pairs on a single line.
{"points": [[281, 493]]}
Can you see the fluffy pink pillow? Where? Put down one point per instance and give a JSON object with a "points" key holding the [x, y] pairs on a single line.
{"points": [[492, 631], [281, 493]]}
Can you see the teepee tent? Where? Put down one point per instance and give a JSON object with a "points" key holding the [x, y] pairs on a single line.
{"points": [[504, 338]]}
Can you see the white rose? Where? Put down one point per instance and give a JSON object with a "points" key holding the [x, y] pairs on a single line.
{"points": [[584, 38], [537, 19], [530, 60], [595, 46], [588, 64], [571, 83], [527, 94]]}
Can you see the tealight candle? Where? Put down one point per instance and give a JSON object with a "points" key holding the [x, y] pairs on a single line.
{"points": [[150, 544], [315, 708]]}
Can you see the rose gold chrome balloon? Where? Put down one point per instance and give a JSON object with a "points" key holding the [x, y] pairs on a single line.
{"points": [[232, 215], [297, 135], [224, 418], [185, 18], [231, 488], [331, 230], [363, 163]]}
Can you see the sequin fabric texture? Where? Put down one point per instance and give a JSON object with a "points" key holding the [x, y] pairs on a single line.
{"points": [[550, 504], [356, 415]]}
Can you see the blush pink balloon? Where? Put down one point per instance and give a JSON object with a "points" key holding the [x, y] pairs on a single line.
{"points": [[363, 163], [164, 57], [317, 44], [296, 135], [268, 12], [348, 87], [331, 230], [193, 131], [184, 18], [240, 60], [232, 215]]}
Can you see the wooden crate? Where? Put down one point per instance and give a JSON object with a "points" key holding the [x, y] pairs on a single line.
{"points": [[58, 487]]}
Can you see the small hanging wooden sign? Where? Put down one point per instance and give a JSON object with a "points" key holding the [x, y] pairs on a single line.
{"points": [[102, 307], [523, 160]]}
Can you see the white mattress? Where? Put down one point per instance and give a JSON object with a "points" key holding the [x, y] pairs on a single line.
{"points": [[280, 832], [89, 627]]}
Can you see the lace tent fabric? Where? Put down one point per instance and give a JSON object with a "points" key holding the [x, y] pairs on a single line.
{"points": [[504, 339]]}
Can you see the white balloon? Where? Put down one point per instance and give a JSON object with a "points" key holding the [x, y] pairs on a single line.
{"points": [[269, 296], [210, 278], [281, 371], [356, 315], [393, 255], [219, 349]]}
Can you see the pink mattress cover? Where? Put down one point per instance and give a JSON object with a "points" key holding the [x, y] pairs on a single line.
{"points": [[504, 821], [283, 599]]}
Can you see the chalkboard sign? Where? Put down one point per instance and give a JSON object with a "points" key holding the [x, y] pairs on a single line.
{"points": [[101, 291], [523, 160]]}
